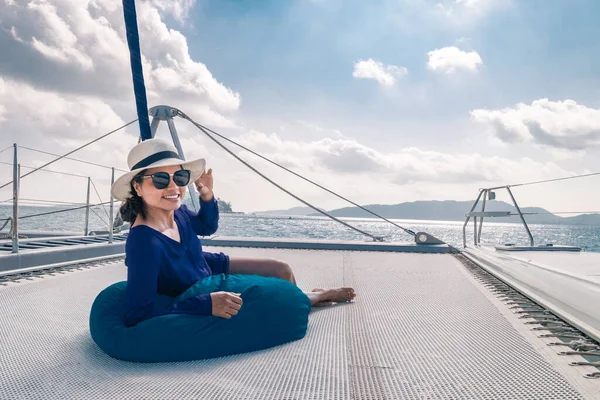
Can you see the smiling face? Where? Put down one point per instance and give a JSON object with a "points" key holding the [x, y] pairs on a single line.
{"points": [[168, 199]]}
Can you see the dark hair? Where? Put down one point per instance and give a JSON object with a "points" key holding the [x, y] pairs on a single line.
{"points": [[134, 205]]}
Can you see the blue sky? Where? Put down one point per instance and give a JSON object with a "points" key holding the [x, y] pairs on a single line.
{"points": [[531, 49], [384, 101], [294, 59]]}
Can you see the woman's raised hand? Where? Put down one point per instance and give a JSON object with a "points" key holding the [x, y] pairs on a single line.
{"points": [[225, 304], [205, 184]]}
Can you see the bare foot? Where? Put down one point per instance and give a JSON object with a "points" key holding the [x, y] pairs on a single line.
{"points": [[327, 297], [323, 304]]}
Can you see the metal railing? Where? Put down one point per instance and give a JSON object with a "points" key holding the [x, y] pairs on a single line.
{"points": [[16, 185], [14, 233], [15, 217], [490, 194]]}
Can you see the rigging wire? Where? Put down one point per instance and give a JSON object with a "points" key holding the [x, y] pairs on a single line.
{"points": [[72, 159], [61, 211], [547, 180], [375, 238], [73, 151], [47, 170], [99, 198], [298, 175]]}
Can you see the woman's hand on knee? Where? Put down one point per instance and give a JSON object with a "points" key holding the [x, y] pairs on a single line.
{"points": [[225, 304]]}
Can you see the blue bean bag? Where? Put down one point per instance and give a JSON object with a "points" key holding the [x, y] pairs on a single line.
{"points": [[274, 312]]}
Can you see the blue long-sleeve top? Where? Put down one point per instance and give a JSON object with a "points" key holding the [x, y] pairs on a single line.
{"points": [[157, 264]]}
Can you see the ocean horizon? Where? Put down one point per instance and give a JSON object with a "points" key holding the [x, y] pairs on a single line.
{"points": [[311, 227]]}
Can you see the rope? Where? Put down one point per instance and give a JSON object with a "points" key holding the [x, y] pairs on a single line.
{"points": [[50, 202], [60, 211], [72, 151], [72, 159], [375, 238], [47, 170], [548, 180], [99, 198], [139, 89], [99, 217], [299, 176], [558, 212], [6, 221], [9, 147]]}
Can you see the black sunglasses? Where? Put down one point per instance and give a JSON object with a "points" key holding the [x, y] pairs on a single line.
{"points": [[161, 180]]}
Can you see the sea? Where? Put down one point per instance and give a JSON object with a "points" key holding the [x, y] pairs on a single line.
{"points": [[297, 227]]}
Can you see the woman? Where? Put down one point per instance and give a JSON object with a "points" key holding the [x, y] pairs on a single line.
{"points": [[163, 253]]}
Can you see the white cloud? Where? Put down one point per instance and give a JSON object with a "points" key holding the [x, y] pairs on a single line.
{"points": [[384, 74], [464, 12], [311, 126], [65, 55], [178, 8], [473, 3], [347, 157], [15, 34], [174, 71], [68, 80], [59, 43], [38, 113], [80, 47], [450, 59], [557, 124], [57, 123], [363, 173]]}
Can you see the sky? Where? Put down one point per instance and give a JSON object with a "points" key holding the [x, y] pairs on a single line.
{"points": [[383, 101]]}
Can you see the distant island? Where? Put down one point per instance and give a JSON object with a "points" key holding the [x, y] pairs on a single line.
{"points": [[448, 210], [224, 206]]}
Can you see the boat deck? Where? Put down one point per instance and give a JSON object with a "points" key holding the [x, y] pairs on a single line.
{"points": [[39, 253], [566, 282], [423, 326]]}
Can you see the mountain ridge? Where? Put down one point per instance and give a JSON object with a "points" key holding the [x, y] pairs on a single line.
{"points": [[444, 210]]}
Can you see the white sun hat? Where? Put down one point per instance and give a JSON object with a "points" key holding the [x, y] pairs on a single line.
{"points": [[153, 153]]}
